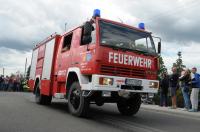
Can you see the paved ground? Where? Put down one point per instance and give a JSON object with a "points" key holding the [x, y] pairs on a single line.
{"points": [[19, 113], [178, 111]]}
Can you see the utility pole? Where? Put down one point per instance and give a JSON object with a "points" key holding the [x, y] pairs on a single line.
{"points": [[25, 68], [3, 70], [65, 27]]}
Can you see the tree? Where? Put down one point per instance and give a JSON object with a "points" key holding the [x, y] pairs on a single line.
{"points": [[28, 72], [179, 63], [163, 68]]}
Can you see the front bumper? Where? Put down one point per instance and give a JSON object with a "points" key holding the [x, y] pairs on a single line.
{"points": [[118, 84]]}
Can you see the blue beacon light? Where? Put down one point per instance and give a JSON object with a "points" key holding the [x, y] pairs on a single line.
{"points": [[141, 26], [96, 13]]}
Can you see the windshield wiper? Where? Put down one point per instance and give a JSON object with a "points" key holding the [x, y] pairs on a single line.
{"points": [[145, 52], [127, 49], [136, 50], [111, 46]]}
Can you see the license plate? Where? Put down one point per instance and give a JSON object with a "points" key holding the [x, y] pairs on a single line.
{"points": [[151, 95], [133, 82]]}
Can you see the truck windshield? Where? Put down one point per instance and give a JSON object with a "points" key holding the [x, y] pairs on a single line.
{"points": [[122, 37]]}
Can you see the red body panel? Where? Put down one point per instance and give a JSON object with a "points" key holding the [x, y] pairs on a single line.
{"points": [[125, 69], [31, 84], [45, 87], [91, 59]]}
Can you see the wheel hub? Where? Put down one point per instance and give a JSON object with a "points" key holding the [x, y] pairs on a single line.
{"points": [[75, 98]]}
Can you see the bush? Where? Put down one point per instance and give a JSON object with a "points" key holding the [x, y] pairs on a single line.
{"points": [[180, 101], [156, 98], [25, 86], [179, 98]]}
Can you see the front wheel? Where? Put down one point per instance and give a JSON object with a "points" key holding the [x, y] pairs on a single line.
{"points": [[129, 106], [77, 104]]}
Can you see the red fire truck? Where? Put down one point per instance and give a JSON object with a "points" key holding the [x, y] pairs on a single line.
{"points": [[101, 61]]}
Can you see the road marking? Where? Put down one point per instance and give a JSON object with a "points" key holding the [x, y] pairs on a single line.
{"points": [[128, 125]]}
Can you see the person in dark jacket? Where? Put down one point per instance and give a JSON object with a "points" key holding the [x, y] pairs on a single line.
{"points": [[185, 79], [173, 83], [164, 86]]}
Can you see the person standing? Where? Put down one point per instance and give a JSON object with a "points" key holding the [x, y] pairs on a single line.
{"points": [[185, 79], [195, 90], [6, 83], [10, 83], [164, 86], [173, 83], [1, 82]]}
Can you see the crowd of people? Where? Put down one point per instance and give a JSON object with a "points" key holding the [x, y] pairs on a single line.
{"points": [[188, 82], [11, 83]]}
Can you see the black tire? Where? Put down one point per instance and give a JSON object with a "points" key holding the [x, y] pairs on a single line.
{"points": [[48, 100], [99, 103], [77, 104], [42, 99], [130, 106]]}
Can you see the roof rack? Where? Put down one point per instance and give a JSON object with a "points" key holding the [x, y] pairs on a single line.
{"points": [[48, 38]]}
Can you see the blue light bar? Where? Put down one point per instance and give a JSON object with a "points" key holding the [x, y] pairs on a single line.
{"points": [[141, 26], [96, 13]]}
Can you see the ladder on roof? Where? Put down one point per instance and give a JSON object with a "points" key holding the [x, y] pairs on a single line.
{"points": [[48, 38]]}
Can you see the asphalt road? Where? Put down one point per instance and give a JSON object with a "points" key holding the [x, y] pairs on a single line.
{"points": [[19, 113]]}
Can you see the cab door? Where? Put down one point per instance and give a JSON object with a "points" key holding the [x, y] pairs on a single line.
{"points": [[64, 61], [83, 52]]}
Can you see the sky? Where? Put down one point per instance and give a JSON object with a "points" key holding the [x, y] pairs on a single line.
{"points": [[24, 23]]}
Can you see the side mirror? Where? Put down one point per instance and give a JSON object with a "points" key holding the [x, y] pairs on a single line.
{"points": [[87, 28], [86, 39], [86, 33], [159, 47], [159, 44]]}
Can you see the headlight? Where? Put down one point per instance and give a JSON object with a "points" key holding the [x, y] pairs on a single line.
{"points": [[105, 81], [153, 84]]}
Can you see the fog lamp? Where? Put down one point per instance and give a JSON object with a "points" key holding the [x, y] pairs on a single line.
{"points": [[106, 81], [153, 84]]}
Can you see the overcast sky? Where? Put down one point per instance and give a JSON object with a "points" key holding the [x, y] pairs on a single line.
{"points": [[23, 23]]}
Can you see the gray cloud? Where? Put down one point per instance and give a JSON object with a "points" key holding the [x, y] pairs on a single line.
{"points": [[27, 22], [15, 44], [173, 29], [177, 22], [23, 23]]}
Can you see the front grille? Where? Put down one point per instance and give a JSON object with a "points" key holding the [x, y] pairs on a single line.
{"points": [[121, 71]]}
